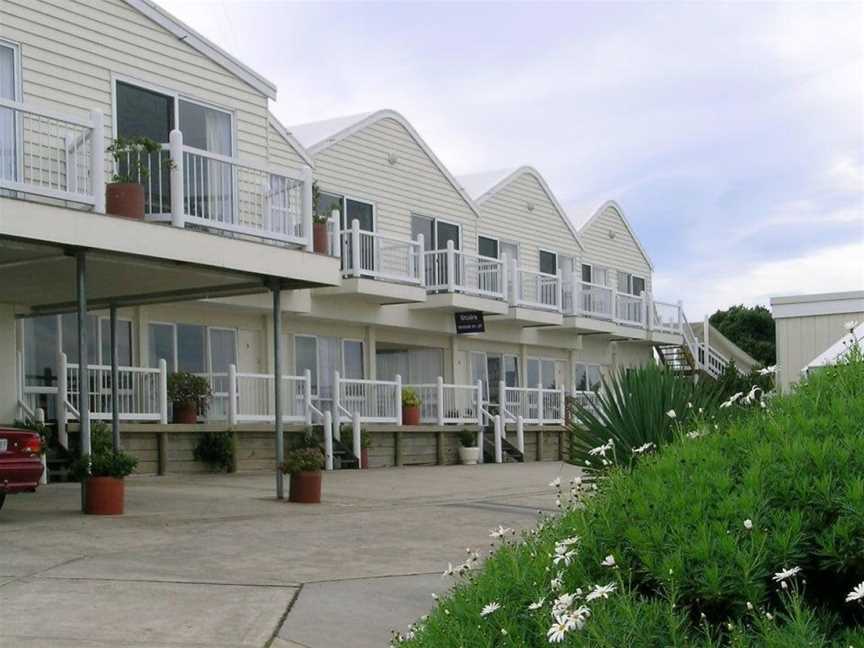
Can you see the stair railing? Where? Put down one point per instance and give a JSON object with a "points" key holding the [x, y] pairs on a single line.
{"points": [[508, 415]]}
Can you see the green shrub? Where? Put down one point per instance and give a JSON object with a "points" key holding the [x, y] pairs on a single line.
{"points": [[697, 533], [635, 410], [103, 461], [410, 398], [303, 460], [216, 449], [185, 388]]}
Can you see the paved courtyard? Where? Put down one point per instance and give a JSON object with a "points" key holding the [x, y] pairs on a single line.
{"points": [[216, 561]]}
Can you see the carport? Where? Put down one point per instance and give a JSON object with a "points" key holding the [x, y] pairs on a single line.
{"points": [[56, 260]]}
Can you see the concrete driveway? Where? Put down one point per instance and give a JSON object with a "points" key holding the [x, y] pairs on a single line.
{"points": [[217, 561]]}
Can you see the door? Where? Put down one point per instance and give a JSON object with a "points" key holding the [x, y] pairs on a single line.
{"points": [[8, 90], [444, 233], [223, 352], [364, 214]]}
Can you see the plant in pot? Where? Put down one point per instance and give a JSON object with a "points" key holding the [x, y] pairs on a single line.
{"points": [[320, 243], [304, 467], [189, 394], [103, 471], [469, 453], [124, 195], [410, 407]]}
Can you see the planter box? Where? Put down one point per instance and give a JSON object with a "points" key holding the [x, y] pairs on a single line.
{"points": [[469, 456], [125, 199], [305, 487], [104, 496]]}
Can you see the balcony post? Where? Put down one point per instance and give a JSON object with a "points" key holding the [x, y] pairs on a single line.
{"points": [[516, 283], [398, 399], [505, 286], [520, 434], [356, 434], [97, 161], [649, 310], [307, 398], [502, 395], [328, 441], [540, 403], [479, 407], [355, 247], [276, 289], [562, 404], [421, 260], [559, 290], [614, 292], [163, 391], [232, 394], [306, 203], [576, 297], [175, 151], [62, 389], [451, 268], [337, 415], [439, 385], [499, 458]]}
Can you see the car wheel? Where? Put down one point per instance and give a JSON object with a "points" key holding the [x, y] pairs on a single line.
{"points": [[2, 499]]}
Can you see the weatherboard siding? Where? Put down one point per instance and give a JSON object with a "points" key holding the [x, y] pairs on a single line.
{"points": [[71, 51], [358, 166], [280, 151], [618, 253], [505, 216]]}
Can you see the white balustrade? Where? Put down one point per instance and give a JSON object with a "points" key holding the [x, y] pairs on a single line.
{"points": [[376, 401], [139, 392], [667, 317], [629, 309], [535, 405], [446, 404], [535, 289], [368, 254], [452, 270], [254, 396]]}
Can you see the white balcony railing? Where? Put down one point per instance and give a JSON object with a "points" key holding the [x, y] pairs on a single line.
{"points": [[452, 270], [443, 404], [253, 397], [374, 401], [535, 289], [630, 309], [535, 405], [368, 254], [667, 317], [51, 154], [139, 392]]}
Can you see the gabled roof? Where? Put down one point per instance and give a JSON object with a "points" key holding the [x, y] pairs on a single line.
{"points": [[206, 47], [319, 136], [483, 186], [293, 141], [588, 217]]}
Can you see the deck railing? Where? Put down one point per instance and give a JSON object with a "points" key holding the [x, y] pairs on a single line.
{"points": [[253, 398], [375, 401], [443, 404], [452, 271], [535, 289], [368, 254], [535, 405], [630, 309], [667, 317], [52, 154]]}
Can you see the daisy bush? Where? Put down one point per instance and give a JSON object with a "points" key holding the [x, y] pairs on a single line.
{"points": [[748, 535]]}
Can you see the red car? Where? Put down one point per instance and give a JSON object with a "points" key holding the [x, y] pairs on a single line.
{"points": [[20, 461]]}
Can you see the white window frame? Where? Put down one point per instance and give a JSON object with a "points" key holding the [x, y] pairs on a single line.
{"points": [[18, 91], [540, 360], [313, 386], [490, 238], [435, 220], [208, 360], [540, 252], [587, 365], [362, 344], [103, 318]]}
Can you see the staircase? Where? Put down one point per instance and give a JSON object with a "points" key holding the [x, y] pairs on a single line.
{"points": [[509, 452], [693, 358], [343, 457]]}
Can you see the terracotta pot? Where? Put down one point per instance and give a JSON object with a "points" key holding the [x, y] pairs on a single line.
{"points": [[411, 415], [305, 487], [364, 457], [104, 496], [185, 413], [125, 199], [319, 238]]}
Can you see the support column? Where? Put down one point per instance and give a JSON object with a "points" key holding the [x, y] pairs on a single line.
{"points": [[277, 387], [8, 364], [371, 352], [115, 375], [83, 377]]}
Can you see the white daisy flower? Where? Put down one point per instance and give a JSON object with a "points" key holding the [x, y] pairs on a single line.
{"points": [[555, 483], [489, 608], [671, 414], [556, 633], [645, 447], [786, 573], [600, 591], [563, 556], [767, 371], [536, 605], [608, 561], [856, 594], [850, 325], [748, 524], [500, 532]]}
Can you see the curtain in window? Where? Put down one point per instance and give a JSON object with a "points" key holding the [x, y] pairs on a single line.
{"points": [[8, 162], [161, 345]]}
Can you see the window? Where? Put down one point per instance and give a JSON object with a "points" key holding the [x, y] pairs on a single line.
{"points": [[205, 128], [446, 232], [327, 202], [352, 359], [124, 342], [415, 366], [548, 262], [511, 371], [426, 227], [191, 348], [586, 273], [362, 212], [491, 369], [587, 377], [161, 345], [40, 350], [69, 337], [435, 232], [541, 371], [9, 83], [306, 358], [487, 247], [630, 284], [144, 113]]}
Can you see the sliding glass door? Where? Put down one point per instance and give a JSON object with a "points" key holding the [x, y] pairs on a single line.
{"points": [[8, 90]]}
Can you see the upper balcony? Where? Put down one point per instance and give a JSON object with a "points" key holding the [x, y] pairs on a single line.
{"points": [[60, 157]]}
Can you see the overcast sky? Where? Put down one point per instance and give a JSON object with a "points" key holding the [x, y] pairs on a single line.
{"points": [[731, 134]]}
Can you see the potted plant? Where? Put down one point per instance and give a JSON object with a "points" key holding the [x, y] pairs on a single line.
{"points": [[103, 471], [469, 453], [124, 195], [320, 243], [410, 407], [189, 394], [304, 466]]}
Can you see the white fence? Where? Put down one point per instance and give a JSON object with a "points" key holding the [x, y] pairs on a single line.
{"points": [[666, 317], [367, 254], [140, 392], [453, 271], [443, 404], [535, 289], [630, 309], [535, 405], [253, 398], [51, 154], [375, 401]]}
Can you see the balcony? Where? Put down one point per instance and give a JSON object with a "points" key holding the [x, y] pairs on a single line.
{"points": [[60, 157]]}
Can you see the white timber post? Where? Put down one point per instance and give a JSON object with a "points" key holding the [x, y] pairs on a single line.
{"points": [[306, 203], [575, 294], [334, 237], [62, 389], [502, 275], [480, 444], [649, 310], [562, 402], [355, 247], [421, 260], [439, 394], [559, 290], [502, 395], [328, 440], [163, 391], [479, 405], [451, 267], [175, 151], [337, 415], [614, 303], [520, 433], [705, 343], [540, 403], [398, 399], [356, 433], [232, 394], [97, 162], [515, 282], [499, 458], [307, 398]]}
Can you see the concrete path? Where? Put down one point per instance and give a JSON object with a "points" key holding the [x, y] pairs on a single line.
{"points": [[217, 561]]}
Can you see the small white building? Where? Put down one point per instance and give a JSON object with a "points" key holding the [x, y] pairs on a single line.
{"points": [[807, 325]]}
